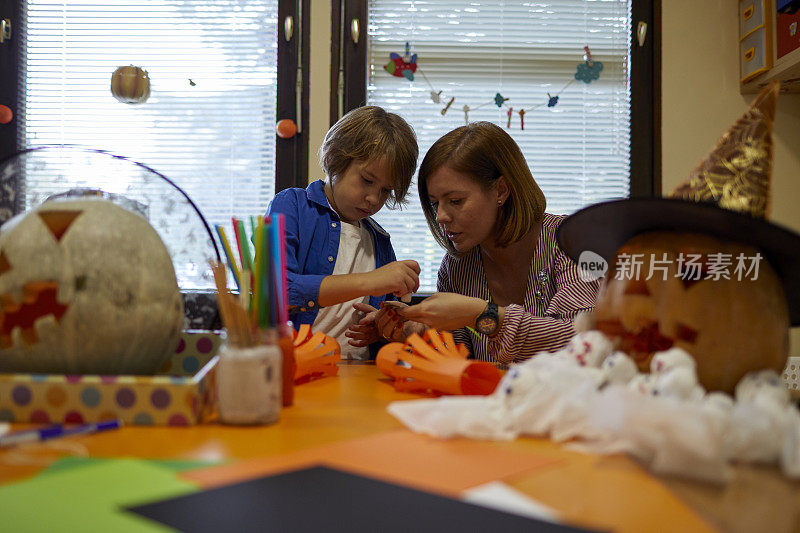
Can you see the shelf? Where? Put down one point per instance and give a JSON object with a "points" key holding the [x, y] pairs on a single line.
{"points": [[786, 69]]}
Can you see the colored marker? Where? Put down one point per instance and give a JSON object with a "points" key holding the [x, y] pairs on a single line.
{"points": [[55, 431]]}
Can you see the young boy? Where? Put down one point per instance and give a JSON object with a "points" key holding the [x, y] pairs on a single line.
{"points": [[336, 255]]}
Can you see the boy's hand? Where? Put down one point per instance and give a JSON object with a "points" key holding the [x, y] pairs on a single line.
{"points": [[398, 278], [365, 331]]}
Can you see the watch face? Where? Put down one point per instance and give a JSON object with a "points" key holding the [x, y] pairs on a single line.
{"points": [[486, 324]]}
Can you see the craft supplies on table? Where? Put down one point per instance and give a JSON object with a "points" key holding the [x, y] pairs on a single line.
{"points": [[249, 384], [259, 314], [55, 431], [181, 393]]}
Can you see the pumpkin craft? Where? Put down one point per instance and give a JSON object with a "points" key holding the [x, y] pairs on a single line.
{"points": [[86, 286], [436, 364], [737, 325], [731, 324], [315, 354]]}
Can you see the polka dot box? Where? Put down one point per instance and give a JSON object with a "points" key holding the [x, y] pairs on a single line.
{"points": [[183, 392]]}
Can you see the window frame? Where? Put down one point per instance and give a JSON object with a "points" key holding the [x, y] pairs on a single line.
{"points": [[291, 165], [645, 128], [9, 72]]}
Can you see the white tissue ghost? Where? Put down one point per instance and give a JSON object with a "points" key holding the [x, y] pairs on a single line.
{"points": [[538, 392], [618, 368], [589, 348], [761, 418], [678, 382], [719, 401], [672, 358], [764, 384], [663, 418], [642, 383]]}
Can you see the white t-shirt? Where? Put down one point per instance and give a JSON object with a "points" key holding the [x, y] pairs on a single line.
{"points": [[356, 254]]}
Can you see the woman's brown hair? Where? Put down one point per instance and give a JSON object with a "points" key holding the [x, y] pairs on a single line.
{"points": [[369, 133], [484, 152]]}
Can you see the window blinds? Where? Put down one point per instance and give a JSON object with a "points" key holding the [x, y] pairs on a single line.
{"points": [[578, 150], [209, 123]]}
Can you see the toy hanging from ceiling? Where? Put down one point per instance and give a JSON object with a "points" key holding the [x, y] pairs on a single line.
{"points": [[406, 66]]}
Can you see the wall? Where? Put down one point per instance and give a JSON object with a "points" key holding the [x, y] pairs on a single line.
{"points": [[319, 83], [700, 100]]}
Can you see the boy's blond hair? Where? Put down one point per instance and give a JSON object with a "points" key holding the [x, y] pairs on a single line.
{"points": [[484, 152], [369, 133]]}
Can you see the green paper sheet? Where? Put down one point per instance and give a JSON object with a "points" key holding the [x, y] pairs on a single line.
{"points": [[89, 498]]}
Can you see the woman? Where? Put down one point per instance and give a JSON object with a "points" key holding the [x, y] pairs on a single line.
{"points": [[505, 288]]}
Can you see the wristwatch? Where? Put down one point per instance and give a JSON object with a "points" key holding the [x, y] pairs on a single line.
{"points": [[488, 322]]}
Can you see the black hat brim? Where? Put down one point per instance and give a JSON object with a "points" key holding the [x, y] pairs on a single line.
{"points": [[603, 228]]}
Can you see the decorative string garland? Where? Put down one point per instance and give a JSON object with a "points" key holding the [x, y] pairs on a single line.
{"points": [[406, 66]]}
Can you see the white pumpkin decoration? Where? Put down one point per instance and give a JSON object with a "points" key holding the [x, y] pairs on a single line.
{"points": [[86, 287], [130, 85]]}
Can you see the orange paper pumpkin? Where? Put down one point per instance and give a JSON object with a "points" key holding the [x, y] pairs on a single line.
{"points": [[130, 85], [316, 355], [435, 364]]}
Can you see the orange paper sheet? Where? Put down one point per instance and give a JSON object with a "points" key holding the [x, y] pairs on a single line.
{"points": [[402, 457]]}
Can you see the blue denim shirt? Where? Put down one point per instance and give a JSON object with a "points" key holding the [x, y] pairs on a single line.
{"points": [[312, 244]]}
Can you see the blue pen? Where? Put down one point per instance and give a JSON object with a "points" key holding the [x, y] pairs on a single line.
{"points": [[55, 431]]}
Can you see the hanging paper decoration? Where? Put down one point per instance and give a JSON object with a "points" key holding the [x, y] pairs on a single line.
{"points": [[405, 67], [448, 105], [588, 70], [130, 85], [402, 66]]}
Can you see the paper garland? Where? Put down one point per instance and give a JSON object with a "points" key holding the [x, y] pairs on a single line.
{"points": [[405, 66]]}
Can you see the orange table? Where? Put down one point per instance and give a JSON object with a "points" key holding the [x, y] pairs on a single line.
{"points": [[594, 491]]}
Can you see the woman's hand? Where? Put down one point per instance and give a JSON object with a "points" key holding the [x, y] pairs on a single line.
{"points": [[445, 310], [394, 327]]}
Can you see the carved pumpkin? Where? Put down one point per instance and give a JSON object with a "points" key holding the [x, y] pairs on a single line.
{"points": [[130, 85], [86, 286], [730, 326]]}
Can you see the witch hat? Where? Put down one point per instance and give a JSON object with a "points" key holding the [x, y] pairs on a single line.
{"points": [[726, 196]]}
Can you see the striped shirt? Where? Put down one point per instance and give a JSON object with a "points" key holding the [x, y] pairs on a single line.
{"points": [[554, 296]]}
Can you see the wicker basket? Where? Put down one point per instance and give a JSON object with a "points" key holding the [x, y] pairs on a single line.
{"points": [[791, 376]]}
